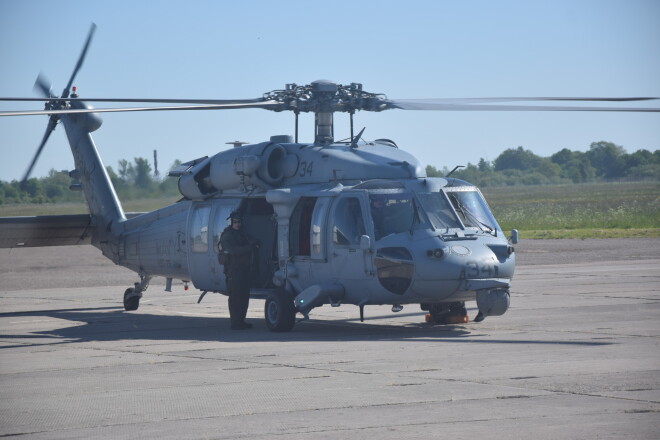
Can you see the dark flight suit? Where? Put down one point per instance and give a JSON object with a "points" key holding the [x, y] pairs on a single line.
{"points": [[239, 246]]}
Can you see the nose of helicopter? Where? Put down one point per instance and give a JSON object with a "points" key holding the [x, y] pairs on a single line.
{"points": [[441, 268]]}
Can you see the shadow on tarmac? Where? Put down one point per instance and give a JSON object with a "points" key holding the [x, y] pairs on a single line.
{"points": [[114, 324]]}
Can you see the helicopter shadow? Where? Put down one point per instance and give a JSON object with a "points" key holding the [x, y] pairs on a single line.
{"points": [[113, 324]]}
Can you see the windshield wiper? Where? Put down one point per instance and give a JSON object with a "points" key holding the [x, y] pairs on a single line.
{"points": [[472, 216], [415, 216]]}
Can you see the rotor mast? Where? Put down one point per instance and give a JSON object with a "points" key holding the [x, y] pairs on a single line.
{"points": [[324, 130]]}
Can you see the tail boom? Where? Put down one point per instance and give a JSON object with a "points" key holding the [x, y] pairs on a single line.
{"points": [[101, 197]]}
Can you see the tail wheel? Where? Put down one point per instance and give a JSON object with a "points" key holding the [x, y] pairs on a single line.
{"points": [[131, 301], [280, 313]]}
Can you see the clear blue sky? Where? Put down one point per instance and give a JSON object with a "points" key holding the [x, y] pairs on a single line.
{"points": [[404, 49]]}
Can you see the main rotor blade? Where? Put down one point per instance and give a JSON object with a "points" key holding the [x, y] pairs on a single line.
{"points": [[153, 100], [420, 105], [81, 58], [52, 123], [442, 101], [268, 105]]}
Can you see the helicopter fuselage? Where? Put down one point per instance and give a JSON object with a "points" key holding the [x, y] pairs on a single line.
{"points": [[392, 236]]}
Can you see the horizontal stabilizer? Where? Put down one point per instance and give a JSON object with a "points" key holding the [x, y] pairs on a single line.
{"points": [[47, 230]]}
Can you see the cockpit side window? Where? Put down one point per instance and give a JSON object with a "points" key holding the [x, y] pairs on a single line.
{"points": [[439, 211], [392, 212], [348, 225]]}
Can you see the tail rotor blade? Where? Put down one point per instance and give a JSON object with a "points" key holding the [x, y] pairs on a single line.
{"points": [[81, 58], [52, 123], [43, 86]]}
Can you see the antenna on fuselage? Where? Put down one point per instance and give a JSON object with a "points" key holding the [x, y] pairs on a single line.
{"points": [[156, 173], [236, 144], [355, 140], [455, 168]]}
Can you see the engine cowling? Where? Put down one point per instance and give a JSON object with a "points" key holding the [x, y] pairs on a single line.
{"points": [[263, 165]]}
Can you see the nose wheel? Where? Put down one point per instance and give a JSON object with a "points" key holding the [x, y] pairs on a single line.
{"points": [[454, 313]]}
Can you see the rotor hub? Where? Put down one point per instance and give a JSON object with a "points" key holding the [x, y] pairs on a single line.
{"points": [[323, 96]]}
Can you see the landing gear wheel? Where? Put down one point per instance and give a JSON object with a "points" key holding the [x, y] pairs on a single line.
{"points": [[131, 302], [280, 313]]}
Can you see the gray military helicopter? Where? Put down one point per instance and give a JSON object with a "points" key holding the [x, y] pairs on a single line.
{"points": [[340, 222]]}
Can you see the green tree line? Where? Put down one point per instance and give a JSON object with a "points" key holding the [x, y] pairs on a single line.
{"points": [[604, 161], [132, 180]]}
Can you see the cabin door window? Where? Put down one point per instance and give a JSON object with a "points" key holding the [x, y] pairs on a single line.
{"points": [[301, 227], [199, 228]]}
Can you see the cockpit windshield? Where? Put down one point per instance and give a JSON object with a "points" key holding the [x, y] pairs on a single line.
{"points": [[473, 210], [392, 212], [396, 211]]}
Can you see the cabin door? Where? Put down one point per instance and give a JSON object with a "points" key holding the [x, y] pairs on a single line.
{"points": [[199, 246], [346, 228]]}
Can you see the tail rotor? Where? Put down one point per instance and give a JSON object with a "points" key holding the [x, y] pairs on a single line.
{"points": [[45, 88]]}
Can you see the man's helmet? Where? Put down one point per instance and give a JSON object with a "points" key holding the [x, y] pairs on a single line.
{"points": [[236, 215]]}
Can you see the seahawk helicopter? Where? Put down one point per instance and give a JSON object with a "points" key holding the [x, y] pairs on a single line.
{"points": [[340, 222]]}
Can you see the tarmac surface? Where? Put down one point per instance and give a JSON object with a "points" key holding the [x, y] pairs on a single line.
{"points": [[576, 357]]}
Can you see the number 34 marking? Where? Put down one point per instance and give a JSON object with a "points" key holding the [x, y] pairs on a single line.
{"points": [[306, 168]]}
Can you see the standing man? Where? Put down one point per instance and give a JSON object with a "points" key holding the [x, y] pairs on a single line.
{"points": [[236, 249]]}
